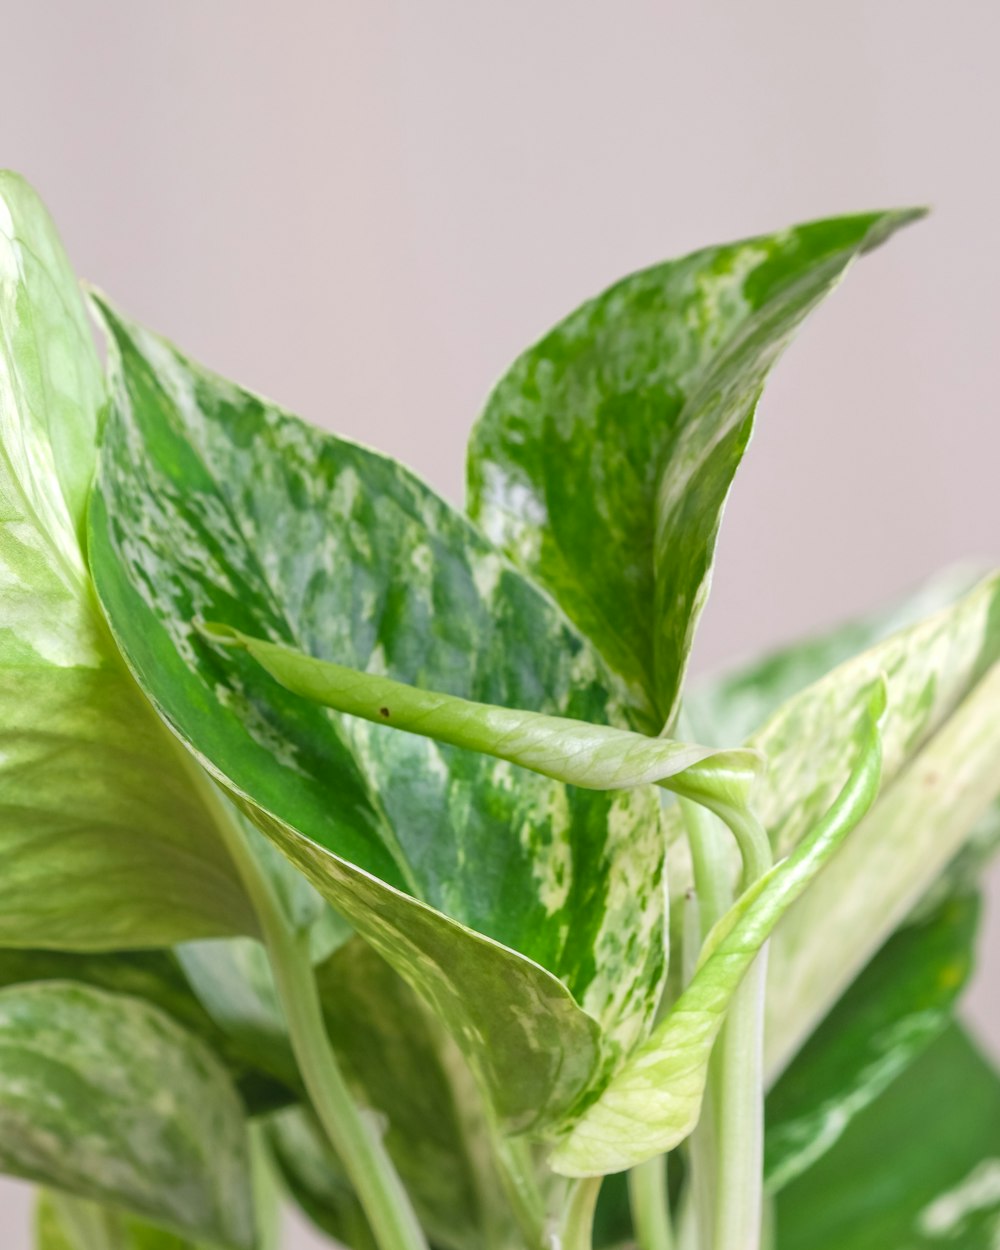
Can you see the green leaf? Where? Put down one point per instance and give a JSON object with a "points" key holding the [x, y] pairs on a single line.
{"points": [[101, 844], [654, 1101], [942, 736], [919, 1168], [594, 757], [66, 1223], [106, 1097], [604, 456], [895, 1009], [408, 1072], [728, 706], [883, 1021], [529, 915], [401, 1066], [156, 977]]}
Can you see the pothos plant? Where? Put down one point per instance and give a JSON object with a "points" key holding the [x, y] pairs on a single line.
{"points": [[376, 852]]}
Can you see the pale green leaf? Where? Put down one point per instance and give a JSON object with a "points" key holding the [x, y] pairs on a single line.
{"points": [[594, 757], [654, 1101], [604, 456], [727, 706], [66, 1223], [940, 780], [101, 843], [885, 868], [107, 1098], [531, 916]]}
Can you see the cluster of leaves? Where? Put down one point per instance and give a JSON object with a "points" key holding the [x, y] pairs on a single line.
{"points": [[487, 900]]}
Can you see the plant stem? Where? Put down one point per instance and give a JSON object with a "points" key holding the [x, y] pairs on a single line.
{"points": [[738, 1108], [647, 1191], [578, 1222], [727, 1145], [352, 1133], [520, 1185]]}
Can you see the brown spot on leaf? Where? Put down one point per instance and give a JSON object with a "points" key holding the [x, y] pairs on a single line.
{"points": [[384, 711]]}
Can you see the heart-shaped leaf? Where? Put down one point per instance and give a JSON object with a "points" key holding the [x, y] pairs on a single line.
{"points": [[106, 1097], [101, 843], [919, 1168], [530, 915], [604, 456]]}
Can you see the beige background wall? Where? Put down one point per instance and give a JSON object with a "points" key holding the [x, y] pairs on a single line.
{"points": [[364, 209]]}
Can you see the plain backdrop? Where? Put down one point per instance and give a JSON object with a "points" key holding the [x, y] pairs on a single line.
{"points": [[365, 209]]}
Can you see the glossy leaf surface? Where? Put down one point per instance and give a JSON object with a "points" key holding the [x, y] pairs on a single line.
{"points": [[919, 1168], [654, 1102], [605, 454], [106, 1097], [887, 1018], [101, 844], [499, 895]]}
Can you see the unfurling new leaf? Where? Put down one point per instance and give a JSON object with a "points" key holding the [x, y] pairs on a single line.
{"points": [[653, 1103]]}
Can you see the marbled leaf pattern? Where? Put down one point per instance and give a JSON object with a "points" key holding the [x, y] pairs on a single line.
{"points": [[604, 455], [108, 1098], [529, 913]]}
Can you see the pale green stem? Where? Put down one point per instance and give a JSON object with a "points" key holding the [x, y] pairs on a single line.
{"points": [[738, 1110], [727, 1146], [578, 1221], [710, 861], [647, 1191], [517, 1175], [352, 1133]]}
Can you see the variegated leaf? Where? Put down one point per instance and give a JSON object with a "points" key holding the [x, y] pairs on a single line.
{"points": [[887, 1018], [106, 1097], [157, 978], [654, 1101], [528, 914], [896, 854], [101, 843], [942, 722], [605, 454], [919, 1168]]}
